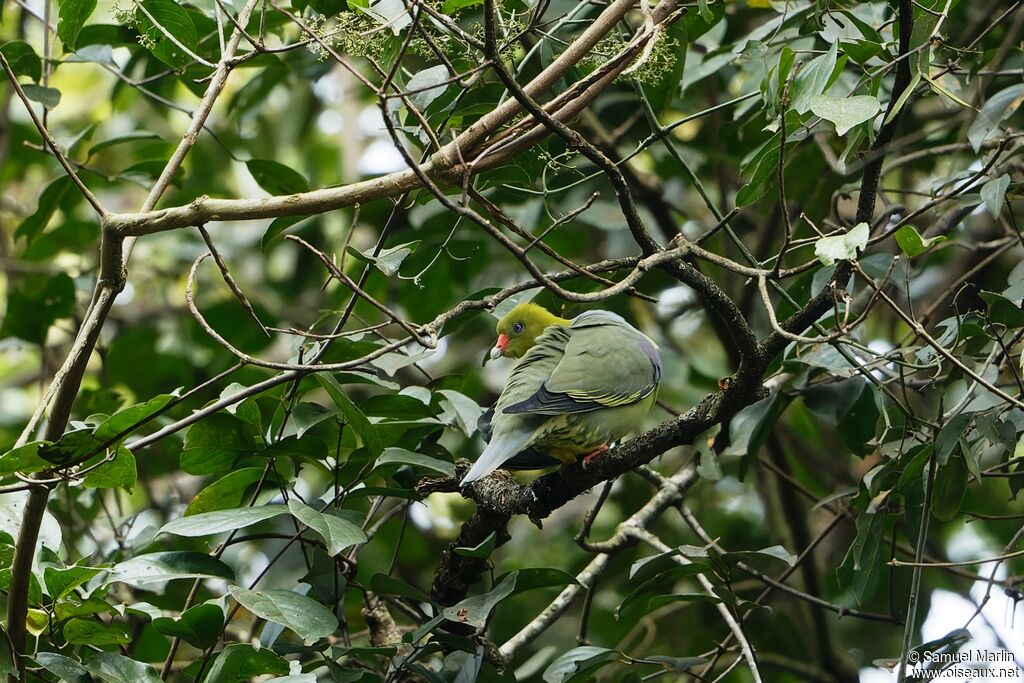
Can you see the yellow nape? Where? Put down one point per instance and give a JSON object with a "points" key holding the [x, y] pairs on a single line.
{"points": [[530, 312]]}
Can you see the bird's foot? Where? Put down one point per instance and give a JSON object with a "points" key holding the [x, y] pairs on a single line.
{"points": [[593, 454]]}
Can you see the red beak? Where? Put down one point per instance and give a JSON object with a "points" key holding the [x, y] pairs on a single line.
{"points": [[501, 344]]}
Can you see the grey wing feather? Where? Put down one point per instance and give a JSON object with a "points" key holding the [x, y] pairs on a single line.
{"points": [[630, 370]]}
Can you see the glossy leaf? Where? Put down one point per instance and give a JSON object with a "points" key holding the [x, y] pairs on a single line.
{"points": [[71, 17], [150, 568], [119, 471], [845, 247], [238, 663], [276, 178], [337, 533], [307, 618], [114, 668], [845, 112], [159, 21], [220, 521]]}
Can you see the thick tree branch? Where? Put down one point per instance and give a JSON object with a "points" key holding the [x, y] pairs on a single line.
{"points": [[499, 498], [466, 154]]}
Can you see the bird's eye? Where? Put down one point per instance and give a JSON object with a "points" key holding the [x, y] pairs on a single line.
{"points": [[517, 328]]}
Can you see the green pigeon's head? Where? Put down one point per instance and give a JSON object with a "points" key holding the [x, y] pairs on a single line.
{"points": [[519, 329]]}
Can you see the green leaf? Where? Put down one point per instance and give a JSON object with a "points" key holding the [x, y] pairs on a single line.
{"points": [[35, 303], [390, 14], [48, 97], [773, 553], [389, 585], [912, 243], [167, 566], [475, 609], [843, 247], [830, 401], [705, 12], [213, 444], [481, 550], [388, 261], [950, 486], [220, 521], [307, 415], [309, 619], [95, 632], [64, 668], [73, 445], [902, 99], [8, 665], [858, 425], [245, 410], [173, 19], [70, 607], [996, 109], [401, 456], [760, 169], [751, 426], [71, 18], [276, 178], [61, 582], [451, 6], [354, 417], [845, 112], [337, 533], [225, 493], [1003, 311], [114, 668], [862, 51], [948, 437], [865, 559], [659, 601], [278, 226], [427, 85], [51, 199], [96, 54], [23, 59], [240, 663], [812, 80], [81, 139], [465, 411], [198, 626], [993, 193], [532, 578], [120, 472], [134, 136], [586, 658], [24, 459]]}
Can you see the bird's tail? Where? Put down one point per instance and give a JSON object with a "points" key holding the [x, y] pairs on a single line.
{"points": [[501, 448]]}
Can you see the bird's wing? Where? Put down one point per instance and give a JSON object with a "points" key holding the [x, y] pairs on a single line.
{"points": [[606, 363], [511, 435]]}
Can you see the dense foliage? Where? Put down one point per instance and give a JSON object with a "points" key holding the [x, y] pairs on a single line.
{"points": [[253, 253]]}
